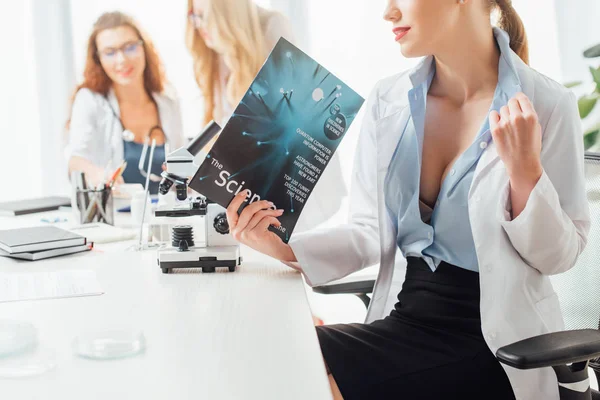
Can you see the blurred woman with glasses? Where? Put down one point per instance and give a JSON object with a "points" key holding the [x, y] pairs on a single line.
{"points": [[229, 41], [121, 105]]}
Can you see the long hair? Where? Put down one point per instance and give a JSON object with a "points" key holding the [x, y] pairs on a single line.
{"points": [[510, 21], [235, 28], [94, 76]]}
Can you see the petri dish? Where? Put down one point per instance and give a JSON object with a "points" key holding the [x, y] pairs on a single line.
{"points": [[27, 365], [109, 345], [16, 337]]}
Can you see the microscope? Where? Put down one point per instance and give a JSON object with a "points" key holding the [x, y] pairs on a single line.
{"points": [[220, 249]]}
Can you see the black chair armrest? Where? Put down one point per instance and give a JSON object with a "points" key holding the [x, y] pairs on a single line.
{"points": [[355, 287], [552, 349]]}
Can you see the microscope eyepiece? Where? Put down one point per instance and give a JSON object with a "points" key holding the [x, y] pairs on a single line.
{"points": [[164, 186], [181, 192]]}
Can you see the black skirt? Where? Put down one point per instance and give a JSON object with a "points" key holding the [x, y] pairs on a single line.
{"points": [[429, 347]]}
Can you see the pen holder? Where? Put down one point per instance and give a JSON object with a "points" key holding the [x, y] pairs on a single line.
{"points": [[95, 205]]}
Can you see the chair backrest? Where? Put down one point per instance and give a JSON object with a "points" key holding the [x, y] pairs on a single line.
{"points": [[579, 288]]}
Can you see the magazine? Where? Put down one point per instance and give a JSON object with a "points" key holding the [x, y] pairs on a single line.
{"points": [[280, 137]]}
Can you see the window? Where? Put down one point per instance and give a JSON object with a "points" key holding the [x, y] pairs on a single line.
{"points": [[20, 137]]}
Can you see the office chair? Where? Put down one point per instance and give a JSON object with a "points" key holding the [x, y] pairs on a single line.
{"points": [[569, 352]]}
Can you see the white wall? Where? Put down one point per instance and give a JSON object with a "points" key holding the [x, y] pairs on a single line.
{"points": [[20, 163], [579, 25], [539, 18], [55, 80], [578, 22]]}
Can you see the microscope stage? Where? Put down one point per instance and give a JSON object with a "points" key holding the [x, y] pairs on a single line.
{"points": [[207, 258], [182, 212]]}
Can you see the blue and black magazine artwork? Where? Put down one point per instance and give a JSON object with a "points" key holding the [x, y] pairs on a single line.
{"points": [[281, 136]]}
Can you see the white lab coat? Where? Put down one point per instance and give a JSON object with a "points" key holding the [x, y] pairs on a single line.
{"points": [[515, 257], [95, 133]]}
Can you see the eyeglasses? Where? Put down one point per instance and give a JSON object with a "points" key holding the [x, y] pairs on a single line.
{"points": [[129, 50], [196, 19]]}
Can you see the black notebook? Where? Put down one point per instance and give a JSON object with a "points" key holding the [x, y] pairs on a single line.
{"points": [[40, 255], [38, 238], [30, 206]]}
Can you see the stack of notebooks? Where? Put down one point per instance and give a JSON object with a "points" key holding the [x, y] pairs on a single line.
{"points": [[22, 207], [41, 242]]}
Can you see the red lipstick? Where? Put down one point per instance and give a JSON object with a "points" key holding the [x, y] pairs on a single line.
{"points": [[400, 32]]}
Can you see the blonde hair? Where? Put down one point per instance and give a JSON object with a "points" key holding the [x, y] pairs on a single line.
{"points": [[235, 27], [510, 21]]}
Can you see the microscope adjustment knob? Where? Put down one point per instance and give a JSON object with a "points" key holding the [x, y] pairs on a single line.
{"points": [[220, 224], [183, 245]]}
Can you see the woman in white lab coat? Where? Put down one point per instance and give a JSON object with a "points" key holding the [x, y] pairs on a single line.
{"points": [[122, 103], [470, 164], [229, 41]]}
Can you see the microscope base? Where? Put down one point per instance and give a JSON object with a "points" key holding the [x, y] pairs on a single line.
{"points": [[206, 258]]}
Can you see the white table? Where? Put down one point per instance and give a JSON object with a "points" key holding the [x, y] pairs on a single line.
{"points": [[242, 335]]}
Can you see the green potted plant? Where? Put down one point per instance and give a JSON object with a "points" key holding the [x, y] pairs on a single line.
{"points": [[588, 102]]}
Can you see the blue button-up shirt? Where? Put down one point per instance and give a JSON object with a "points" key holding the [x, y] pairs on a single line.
{"points": [[448, 236]]}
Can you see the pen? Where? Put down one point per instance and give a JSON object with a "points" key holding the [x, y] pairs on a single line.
{"points": [[118, 172]]}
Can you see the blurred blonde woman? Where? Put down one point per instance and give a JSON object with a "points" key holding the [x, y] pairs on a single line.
{"points": [[229, 41]]}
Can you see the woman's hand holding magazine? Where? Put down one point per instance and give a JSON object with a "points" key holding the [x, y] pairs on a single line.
{"points": [[251, 227]]}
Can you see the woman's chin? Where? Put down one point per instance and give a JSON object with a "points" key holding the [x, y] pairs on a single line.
{"points": [[122, 82], [410, 52], [126, 81]]}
